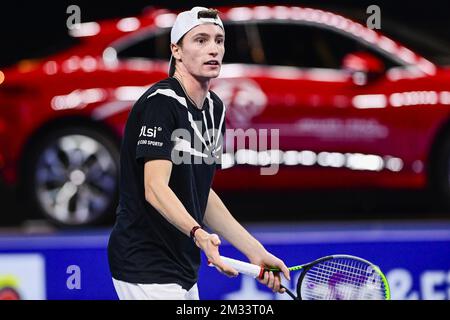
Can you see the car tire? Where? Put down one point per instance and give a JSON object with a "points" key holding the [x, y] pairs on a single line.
{"points": [[72, 176]]}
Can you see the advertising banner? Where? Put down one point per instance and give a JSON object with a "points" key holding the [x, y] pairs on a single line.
{"points": [[415, 259]]}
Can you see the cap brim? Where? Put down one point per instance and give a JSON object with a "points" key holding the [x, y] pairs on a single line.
{"points": [[171, 66]]}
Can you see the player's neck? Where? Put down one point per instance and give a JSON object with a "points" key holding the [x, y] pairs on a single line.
{"points": [[195, 89]]}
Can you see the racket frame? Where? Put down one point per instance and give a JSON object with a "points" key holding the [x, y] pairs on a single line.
{"points": [[305, 267], [258, 272]]}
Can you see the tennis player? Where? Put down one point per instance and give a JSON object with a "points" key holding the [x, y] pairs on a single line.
{"points": [[171, 148]]}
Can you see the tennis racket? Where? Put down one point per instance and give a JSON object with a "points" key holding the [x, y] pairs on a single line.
{"points": [[335, 277]]}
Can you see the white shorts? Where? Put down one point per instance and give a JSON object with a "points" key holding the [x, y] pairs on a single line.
{"points": [[154, 291]]}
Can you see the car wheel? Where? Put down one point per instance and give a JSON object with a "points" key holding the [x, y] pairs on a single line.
{"points": [[73, 176]]}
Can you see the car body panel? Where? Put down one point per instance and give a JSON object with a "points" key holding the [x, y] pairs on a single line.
{"points": [[391, 122]]}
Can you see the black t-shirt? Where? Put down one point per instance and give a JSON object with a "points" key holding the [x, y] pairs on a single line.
{"points": [[163, 124]]}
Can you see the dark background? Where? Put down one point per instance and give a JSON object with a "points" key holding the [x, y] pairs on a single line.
{"points": [[32, 29]]}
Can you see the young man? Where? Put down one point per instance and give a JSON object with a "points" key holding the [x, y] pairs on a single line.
{"points": [[154, 248]]}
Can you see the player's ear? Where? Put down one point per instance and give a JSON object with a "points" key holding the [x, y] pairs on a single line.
{"points": [[176, 51]]}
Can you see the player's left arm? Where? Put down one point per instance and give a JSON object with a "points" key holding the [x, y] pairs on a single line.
{"points": [[218, 218]]}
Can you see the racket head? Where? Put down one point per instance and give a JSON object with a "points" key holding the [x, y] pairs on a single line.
{"points": [[342, 277]]}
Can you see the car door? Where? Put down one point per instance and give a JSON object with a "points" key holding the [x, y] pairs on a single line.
{"points": [[296, 70]]}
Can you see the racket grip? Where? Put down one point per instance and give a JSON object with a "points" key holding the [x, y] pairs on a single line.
{"points": [[242, 267]]}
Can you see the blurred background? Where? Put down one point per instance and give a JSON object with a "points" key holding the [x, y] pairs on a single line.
{"points": [[358, 90]]}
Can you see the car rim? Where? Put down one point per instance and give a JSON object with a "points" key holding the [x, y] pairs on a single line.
{"points": [[75, 179]]}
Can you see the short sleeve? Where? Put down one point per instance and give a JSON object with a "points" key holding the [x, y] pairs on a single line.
{"points": [[221, 145], [157, 121]]}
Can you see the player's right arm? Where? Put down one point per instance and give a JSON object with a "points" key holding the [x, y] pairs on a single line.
{"points": [[164, 200], [157, 121]]}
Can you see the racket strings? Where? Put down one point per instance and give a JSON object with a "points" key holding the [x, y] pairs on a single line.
{"points": [[354, 273], [337, 285], [342, 279], [351, 273]]}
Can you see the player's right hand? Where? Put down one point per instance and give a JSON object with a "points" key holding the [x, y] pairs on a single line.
{"points": [[209, 243]]}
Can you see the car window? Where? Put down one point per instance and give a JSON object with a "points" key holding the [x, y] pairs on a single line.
{"points": [[150, 46], [237, 46], [308, 46], [157, 45]]}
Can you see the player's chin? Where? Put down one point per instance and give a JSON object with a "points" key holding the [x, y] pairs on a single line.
{"points": [[212, 73]]}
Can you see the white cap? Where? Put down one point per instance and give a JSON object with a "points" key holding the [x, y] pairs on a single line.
{"points": [[184, 22]]}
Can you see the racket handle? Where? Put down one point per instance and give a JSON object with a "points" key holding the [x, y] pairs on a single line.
{"points": [[246, 268]]}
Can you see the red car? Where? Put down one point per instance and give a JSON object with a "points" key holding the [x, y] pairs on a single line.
{"points": [[353, 108]]}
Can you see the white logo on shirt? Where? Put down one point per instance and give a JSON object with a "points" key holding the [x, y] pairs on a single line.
{"points": [[149, 132]]}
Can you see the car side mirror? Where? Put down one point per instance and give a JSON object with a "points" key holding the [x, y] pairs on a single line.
{"points": [[363, 67]]}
